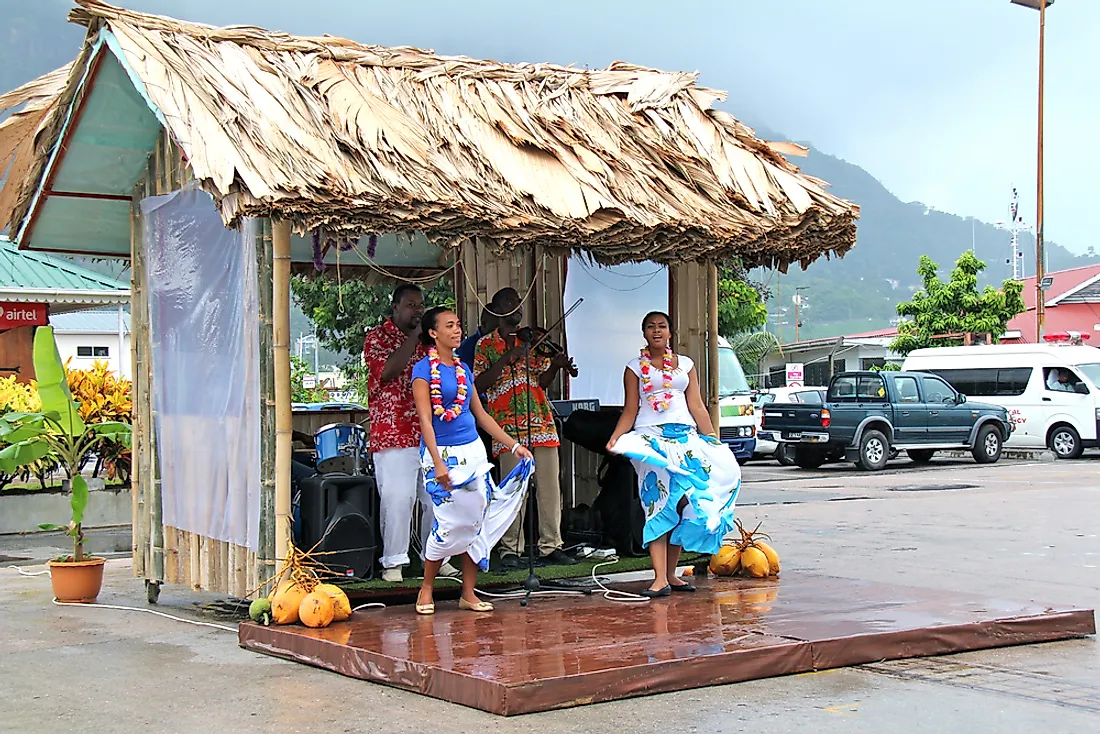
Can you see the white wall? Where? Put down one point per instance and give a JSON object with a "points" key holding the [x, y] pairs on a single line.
{"points": [[67, 344], [851, 353]]}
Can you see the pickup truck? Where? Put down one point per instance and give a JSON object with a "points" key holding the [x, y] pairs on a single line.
{"points": [[868, 415]]}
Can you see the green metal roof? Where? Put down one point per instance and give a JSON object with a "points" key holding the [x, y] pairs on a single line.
{"points": [[35, 270]]}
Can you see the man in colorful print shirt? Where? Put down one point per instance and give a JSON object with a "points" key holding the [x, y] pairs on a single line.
{"points": [[516, 398]]}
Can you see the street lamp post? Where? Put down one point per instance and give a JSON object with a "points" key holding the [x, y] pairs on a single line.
{"points": [[797, 307], [1040, 266]]}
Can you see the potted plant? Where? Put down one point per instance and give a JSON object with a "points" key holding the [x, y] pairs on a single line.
{"points": [[58, 431]]}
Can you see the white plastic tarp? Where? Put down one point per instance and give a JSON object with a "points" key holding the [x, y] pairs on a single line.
{"points": [[605, 332], [206, 390]]}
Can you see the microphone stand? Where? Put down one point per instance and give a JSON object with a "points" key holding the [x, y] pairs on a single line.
{"points": [[533, 583]]}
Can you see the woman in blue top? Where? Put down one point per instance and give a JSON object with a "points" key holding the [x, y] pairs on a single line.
{"points": [[471, 512]]}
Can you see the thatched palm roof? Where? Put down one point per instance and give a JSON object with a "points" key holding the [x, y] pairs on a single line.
{"points": [[17, 133], [626, 163]]}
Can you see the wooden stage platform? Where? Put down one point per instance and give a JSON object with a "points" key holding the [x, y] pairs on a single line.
{"points": [[569, 651]]}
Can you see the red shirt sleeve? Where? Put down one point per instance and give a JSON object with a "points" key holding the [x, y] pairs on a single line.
{"points": [[374, 360]]}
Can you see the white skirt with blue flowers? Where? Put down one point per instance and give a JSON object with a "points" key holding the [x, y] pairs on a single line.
{"points": [[673, 461], [475, 514]]}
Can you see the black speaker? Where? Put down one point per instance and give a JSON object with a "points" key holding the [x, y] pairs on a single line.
{"points": [[340, 523]]}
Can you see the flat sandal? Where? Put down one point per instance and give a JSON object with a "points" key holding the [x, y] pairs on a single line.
{"points": [[481, 606]]}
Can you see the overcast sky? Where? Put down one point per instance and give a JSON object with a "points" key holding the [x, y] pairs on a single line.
{"points": [[936, 98]]}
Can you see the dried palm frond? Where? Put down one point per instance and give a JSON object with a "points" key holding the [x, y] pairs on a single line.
{"points": [[626, 163]]}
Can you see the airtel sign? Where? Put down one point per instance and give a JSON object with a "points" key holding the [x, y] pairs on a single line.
{"points": [[13, 315]]}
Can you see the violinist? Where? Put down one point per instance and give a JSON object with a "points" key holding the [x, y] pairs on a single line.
{"points": [[515, 393]]}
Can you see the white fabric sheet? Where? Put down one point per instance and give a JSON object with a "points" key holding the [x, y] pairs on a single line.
{"points": [[206, 390]]}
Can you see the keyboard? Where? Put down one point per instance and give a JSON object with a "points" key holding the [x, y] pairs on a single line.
{"points": [[563, 408]]}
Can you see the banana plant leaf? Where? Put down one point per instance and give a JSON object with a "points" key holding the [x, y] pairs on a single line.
{"points": [[28, 427], [113, 431], [17, 455], [53, 383], [79, 500]]}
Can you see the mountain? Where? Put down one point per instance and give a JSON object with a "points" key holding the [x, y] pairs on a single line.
{"points": [[860, 291], [842, 296]]}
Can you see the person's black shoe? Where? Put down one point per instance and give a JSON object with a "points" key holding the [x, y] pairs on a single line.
{"points": [[683, 587], [557, 557], [509, 562], [667, 591]]}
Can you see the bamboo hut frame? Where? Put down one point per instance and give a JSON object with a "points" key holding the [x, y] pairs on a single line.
{"points": [[676, 182]]}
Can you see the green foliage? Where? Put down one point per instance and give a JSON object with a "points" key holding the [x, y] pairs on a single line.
{"points": [[355, 376], [740, 307], [955, 307], [58, 431], [751, 348], [299, 393], [344, 313]]}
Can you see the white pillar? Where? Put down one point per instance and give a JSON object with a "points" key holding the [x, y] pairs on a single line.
{"points": [[121, 342]]}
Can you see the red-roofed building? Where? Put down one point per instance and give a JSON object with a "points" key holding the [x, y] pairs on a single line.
{"points": [[1073, 304]]}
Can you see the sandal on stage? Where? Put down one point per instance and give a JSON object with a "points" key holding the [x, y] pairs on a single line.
{"points": [[481, 606], [425, 608]]}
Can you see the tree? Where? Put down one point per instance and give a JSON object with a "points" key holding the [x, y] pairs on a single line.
{"points": [[751, 348], [941, 313], [344, 313], [740, 306]]}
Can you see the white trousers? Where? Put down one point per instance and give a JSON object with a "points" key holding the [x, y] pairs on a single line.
{"points": [[400, 486]]}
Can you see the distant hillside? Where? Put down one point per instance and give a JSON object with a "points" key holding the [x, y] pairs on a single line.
{"points": [[860, 291]]}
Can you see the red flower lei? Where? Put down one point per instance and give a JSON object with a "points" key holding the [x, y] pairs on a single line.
{"points": [[448, 414], [659, 403]]}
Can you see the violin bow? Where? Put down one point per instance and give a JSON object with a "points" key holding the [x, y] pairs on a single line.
{"points": [[556, 324]]}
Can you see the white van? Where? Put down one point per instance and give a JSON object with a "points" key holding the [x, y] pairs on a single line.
{"points": [[1052, 393], [736, 422]]}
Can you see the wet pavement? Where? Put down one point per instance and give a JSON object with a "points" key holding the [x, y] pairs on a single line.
{"points": [[1018, 531]]}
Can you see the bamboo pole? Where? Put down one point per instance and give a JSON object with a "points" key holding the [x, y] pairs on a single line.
{"points": [[140, 519], [156, 518], [712, 344], [280, 311], [265, 554]]}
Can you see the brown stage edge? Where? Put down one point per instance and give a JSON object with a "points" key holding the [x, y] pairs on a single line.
{"points": [[566, 651]]}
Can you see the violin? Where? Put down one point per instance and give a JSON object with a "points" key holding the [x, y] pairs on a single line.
{"points": [[541, 345], [538, 338]]}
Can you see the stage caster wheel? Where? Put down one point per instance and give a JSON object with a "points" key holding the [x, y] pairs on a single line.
{"points": [[152, 591]]}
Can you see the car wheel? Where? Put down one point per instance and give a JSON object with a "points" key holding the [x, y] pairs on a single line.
{"points": [[808, 458], [987, 449], [784, 455], [921, 456], [874, 451], [1065, 442]]}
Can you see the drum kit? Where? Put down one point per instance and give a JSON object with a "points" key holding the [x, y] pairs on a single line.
{"points": [[342, 448]]}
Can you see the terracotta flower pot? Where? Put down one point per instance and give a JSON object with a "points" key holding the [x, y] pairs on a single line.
{"points": [[77, 582]]}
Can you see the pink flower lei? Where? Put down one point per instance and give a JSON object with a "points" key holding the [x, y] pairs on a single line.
{"points": [[659, 402], [447, 414]]}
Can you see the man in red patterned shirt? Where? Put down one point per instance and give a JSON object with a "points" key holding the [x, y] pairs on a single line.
{"points": [[390, 351]]}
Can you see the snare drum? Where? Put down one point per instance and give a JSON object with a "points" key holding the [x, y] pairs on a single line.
{"points": [[341, 447]]}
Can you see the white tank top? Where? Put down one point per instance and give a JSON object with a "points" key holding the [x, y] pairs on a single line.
{"points": [[677, 405]]}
